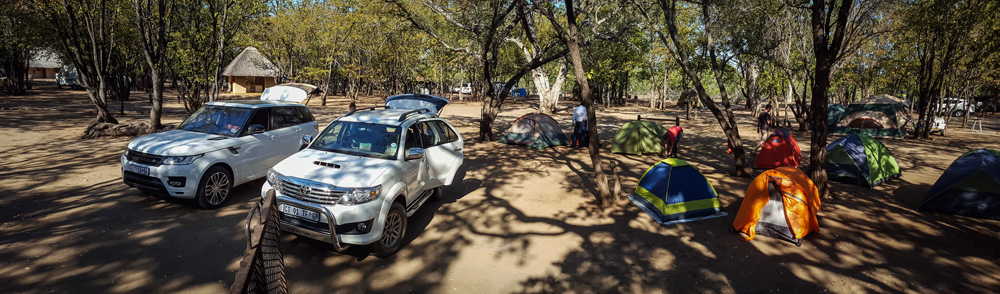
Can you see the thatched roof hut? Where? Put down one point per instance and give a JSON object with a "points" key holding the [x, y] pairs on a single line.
{"points": [[44, 65], [250, 72]]}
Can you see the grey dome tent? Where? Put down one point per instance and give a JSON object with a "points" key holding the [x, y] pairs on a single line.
{"points": [[537, 130]]}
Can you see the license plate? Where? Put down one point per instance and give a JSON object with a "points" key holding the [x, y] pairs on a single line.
{"points": [[142, 170], [300, 213]]}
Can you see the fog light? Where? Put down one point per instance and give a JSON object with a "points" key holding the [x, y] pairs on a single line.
{"points": [[176, 181], [362, 227]]}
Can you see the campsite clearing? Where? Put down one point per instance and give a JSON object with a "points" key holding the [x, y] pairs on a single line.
{"points": [[520, 220]]}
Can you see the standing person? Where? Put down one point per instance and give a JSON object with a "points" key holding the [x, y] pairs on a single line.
{"points": [[581, 131], [764, 125], [352, 107], [671, 139]]}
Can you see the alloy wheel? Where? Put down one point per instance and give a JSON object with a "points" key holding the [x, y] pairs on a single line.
{"points": [[217, 188], [393, 230]]}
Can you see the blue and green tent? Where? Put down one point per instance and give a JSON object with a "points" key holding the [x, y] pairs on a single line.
{"points": [[673, 191], [970, 186], [860, 159]]}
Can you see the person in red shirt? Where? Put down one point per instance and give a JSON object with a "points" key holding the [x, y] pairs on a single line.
{"points": [[671, 139]]}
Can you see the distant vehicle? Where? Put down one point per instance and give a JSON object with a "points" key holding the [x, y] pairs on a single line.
{"points": [[67, 76], [938, 125], [466, 88], [955, 107], [223, 144]]}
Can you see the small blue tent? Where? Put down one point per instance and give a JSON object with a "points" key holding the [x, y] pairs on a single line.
{"points": [[970, 186], [673, 191]]}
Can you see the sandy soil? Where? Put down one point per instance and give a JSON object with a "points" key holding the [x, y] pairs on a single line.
{"points": [[520, 220]]}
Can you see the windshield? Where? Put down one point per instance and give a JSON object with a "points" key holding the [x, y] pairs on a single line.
{"points": [[358, 138], [225, 121]]}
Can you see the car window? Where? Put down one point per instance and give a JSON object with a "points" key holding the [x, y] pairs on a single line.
{"points": [[283, 117], [431, 134], [304, 114], [358, 138], [412, 138], [225, 121], [448, 133], [260, 117]]}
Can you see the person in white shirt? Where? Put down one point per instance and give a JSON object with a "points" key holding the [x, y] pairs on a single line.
{"points": [[581, 131]]}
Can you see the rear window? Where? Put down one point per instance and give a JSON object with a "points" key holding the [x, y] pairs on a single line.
{"points": [[283, 117]]}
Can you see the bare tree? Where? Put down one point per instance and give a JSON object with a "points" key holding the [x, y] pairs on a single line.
{"points": [[152, 19], [570, 35], [86, 35], [682, 57], [483, 35]]}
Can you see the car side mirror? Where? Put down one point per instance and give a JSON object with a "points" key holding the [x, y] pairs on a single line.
{"points": [[307, 139], [414, 153], [255, 129]]}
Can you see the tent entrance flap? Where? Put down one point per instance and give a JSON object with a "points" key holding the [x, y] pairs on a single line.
{"points": [[773, 221]]}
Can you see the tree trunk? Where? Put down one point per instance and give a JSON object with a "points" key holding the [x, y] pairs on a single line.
{"points": [[326, 85], [825, 53], [157, 111], [548, 94], [572, 43]]}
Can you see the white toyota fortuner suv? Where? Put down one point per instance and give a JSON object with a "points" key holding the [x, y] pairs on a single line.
{"points": [[221, 145], [358, 181]]}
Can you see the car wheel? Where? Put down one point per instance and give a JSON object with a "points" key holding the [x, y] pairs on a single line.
{"points": [[942, 133], [215, 186], [392, 232], [959, 113]]}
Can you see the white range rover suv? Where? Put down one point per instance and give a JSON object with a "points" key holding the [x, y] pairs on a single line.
{"points": [[221, 145], [359, 180]]}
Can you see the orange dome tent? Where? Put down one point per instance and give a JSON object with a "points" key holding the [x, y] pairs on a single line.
{"points": [[780, 203]]}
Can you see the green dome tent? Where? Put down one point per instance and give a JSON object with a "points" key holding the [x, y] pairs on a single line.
{"points": [[639, 137], [860, 159], [536, 130]]}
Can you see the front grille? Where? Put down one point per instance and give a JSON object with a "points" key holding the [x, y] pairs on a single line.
{"points": [[308, 191], [144, 158], [147, 184]]}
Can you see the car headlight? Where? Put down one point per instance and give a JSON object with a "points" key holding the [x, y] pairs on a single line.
{"points": [[272, 177], [360, 195], [180, 160]]}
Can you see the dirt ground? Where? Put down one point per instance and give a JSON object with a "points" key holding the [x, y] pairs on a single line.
{"points": [[520, 220]]}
